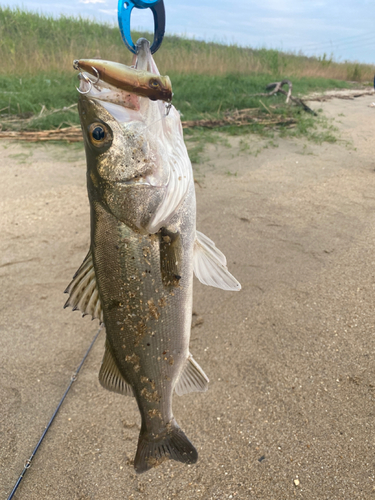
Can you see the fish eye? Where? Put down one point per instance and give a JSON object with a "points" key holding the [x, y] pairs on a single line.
{"points": [[99, 134], [154, 84]]}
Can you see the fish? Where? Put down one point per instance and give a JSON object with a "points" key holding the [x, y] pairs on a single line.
{"points": [[137, 277]]}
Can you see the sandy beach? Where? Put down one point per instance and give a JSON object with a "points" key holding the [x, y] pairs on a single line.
{"points": [[290, 411]]}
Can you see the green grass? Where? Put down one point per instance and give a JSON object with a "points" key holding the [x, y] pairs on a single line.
{"points": [[196, 96], [31, 43], [37, 81], [28, 94]]}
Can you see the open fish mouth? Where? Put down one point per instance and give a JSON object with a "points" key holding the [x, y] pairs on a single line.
{"points": [[131, 94], [138, 99], [122, 89]]}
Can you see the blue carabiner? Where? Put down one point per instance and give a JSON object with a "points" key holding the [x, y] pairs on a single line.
{"points": [[125, 8]]}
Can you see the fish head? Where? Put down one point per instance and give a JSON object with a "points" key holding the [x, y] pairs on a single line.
{"points": [[138, 166]]}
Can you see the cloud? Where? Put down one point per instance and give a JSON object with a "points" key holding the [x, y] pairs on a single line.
{"points": [[92, 1], [109, 12], [343, 27]]}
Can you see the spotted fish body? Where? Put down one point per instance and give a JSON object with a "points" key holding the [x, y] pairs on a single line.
{"points": [[137, 276], [146, 297]]}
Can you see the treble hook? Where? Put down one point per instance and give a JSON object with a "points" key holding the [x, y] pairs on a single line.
{"points": [[81, 76], [125, 8], [97, 75], [87, 79]]}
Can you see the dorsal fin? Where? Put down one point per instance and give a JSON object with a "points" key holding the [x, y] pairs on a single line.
{"points": [[192, 378], [110, 376], [83, 291], [209, 265]]}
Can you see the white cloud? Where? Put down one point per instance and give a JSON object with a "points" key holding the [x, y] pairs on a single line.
{"points": [[109, 12], [92, 1], [343, 27]]}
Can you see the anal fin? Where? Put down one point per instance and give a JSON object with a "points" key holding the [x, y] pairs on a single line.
{"points": [[192, 378], [110, 376]]}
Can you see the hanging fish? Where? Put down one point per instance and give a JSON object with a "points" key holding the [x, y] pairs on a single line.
{"points": [[137, 277]]}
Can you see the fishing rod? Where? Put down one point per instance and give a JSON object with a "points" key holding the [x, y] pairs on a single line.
{"points": [[72, 380]]}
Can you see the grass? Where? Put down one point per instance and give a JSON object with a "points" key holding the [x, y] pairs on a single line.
{"points": [[315, 129], [31, 96], [37, 80], [196, 96], [31, 43]]}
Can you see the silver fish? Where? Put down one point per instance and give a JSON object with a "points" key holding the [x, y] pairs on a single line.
{"points": [[137, 277]]}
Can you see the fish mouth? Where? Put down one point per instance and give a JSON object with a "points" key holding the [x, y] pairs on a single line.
{"points": [[125, 86], [144, 121], [123, 106], [136, 93]]}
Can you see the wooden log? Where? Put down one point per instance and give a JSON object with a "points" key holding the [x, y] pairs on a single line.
{"points": [[276, 87], [237, 118]]}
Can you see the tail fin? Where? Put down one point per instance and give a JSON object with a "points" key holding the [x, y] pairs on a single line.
{"points": [[172, 444]]}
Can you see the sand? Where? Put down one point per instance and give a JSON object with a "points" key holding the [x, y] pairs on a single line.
{"points": [[290, 408]]}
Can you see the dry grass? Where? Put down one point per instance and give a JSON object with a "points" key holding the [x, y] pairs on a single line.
{"points": [[30, 43]]}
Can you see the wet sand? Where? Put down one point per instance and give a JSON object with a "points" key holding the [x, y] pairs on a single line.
{"points": [[290, 408]]}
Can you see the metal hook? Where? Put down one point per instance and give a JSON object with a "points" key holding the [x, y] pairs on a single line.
{"points": [[87, 80], [97, 76], [125, 8]]}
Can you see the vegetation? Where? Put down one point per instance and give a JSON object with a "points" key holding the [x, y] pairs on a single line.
{"points": [[31, 43], [196, 96], [37, 80]]}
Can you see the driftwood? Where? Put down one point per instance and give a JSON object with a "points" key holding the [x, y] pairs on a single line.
{"points": [[69, 134], [240, 118], [74, 134], [277, 87], [341, 94]]}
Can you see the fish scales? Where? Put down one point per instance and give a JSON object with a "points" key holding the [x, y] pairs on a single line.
{"points": [[144, 315], [137, 277]]}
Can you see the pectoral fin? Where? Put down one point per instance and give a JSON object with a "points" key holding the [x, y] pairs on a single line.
{"points": [[192, 378], [171, 254], [110, 377], [83, 291], [209, 265]]}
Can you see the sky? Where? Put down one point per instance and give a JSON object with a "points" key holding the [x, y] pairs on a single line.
{"points": [[339, 28]]}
